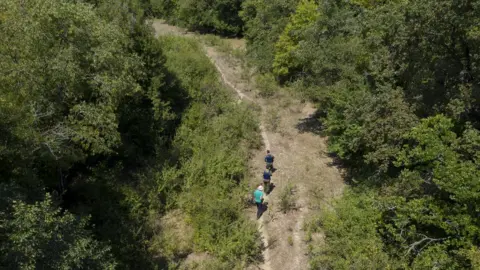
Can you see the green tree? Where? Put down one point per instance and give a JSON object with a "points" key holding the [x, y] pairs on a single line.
{"points": [[439, 72], [351, 237], [40, 236], [397, 97], [264, 22], [73, 70], [218, 16], [83, 88], [285, 62]]}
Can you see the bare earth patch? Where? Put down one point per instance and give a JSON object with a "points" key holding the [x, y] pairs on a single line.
{"points": [[300, 157]]}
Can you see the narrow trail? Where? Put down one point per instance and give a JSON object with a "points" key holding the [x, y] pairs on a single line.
{"points": [[290, 130], [261, 222], [240, 94], [300, 159]]}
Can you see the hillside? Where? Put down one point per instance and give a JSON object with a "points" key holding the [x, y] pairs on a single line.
{"points": [[133, 142]]}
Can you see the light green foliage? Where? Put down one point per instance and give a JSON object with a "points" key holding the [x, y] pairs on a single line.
{"points": [[285, 62], [266, 85], [451, 169], [474, 255], [194, 73], [205, 264], [40, 236], [264, 21], [351, 235], [438, 173], [290, 240], [174, 238], [212, 145]]}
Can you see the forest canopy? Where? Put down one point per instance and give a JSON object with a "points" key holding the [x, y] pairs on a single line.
{"points": [[102, 127], [397, 88], [218, 16]]}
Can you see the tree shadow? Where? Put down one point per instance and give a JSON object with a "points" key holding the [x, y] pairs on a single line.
{"points": [[110, 221], [344, 169], [311, 124], [336, 161], [259, 258], [355, 171], [272, 187]]}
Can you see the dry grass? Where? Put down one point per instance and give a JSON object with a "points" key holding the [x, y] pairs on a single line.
{"points": [[273, 119]]}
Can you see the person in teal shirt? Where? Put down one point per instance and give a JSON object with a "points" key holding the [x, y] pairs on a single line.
{"points": [[258, 196]]}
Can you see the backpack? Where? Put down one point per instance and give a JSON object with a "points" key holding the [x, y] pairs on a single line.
{"points": [[266, 175]]}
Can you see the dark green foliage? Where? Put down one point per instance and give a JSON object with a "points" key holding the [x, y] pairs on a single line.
{"points": [[397, 87], [218, 16], [80, 93], [93, 112], [40, 237], [264, 22]]}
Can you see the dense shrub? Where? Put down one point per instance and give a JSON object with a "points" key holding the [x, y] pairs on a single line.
{"points": [[264, 22], [212, 145], [96, 115], [397, 90], [218, 16]]}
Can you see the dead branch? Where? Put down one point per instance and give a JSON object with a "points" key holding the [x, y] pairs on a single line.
{"points": [[51, 151], [426, 239]]}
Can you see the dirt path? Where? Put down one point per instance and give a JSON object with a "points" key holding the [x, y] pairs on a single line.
{"points": [[290, 131]]}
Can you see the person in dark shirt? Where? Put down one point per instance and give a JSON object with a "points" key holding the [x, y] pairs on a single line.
{"points": [[269, 158], [267, 177]]}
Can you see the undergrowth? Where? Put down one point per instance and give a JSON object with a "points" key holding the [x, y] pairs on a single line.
{"points": [[211, 147], [266, 85], [287, 200]]}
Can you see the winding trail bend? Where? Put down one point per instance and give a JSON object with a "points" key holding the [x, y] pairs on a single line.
{"points": [[290, 130]]}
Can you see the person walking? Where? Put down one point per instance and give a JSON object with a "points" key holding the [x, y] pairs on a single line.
{"points": [[269, 158], [267, 177], [258, 196]]}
